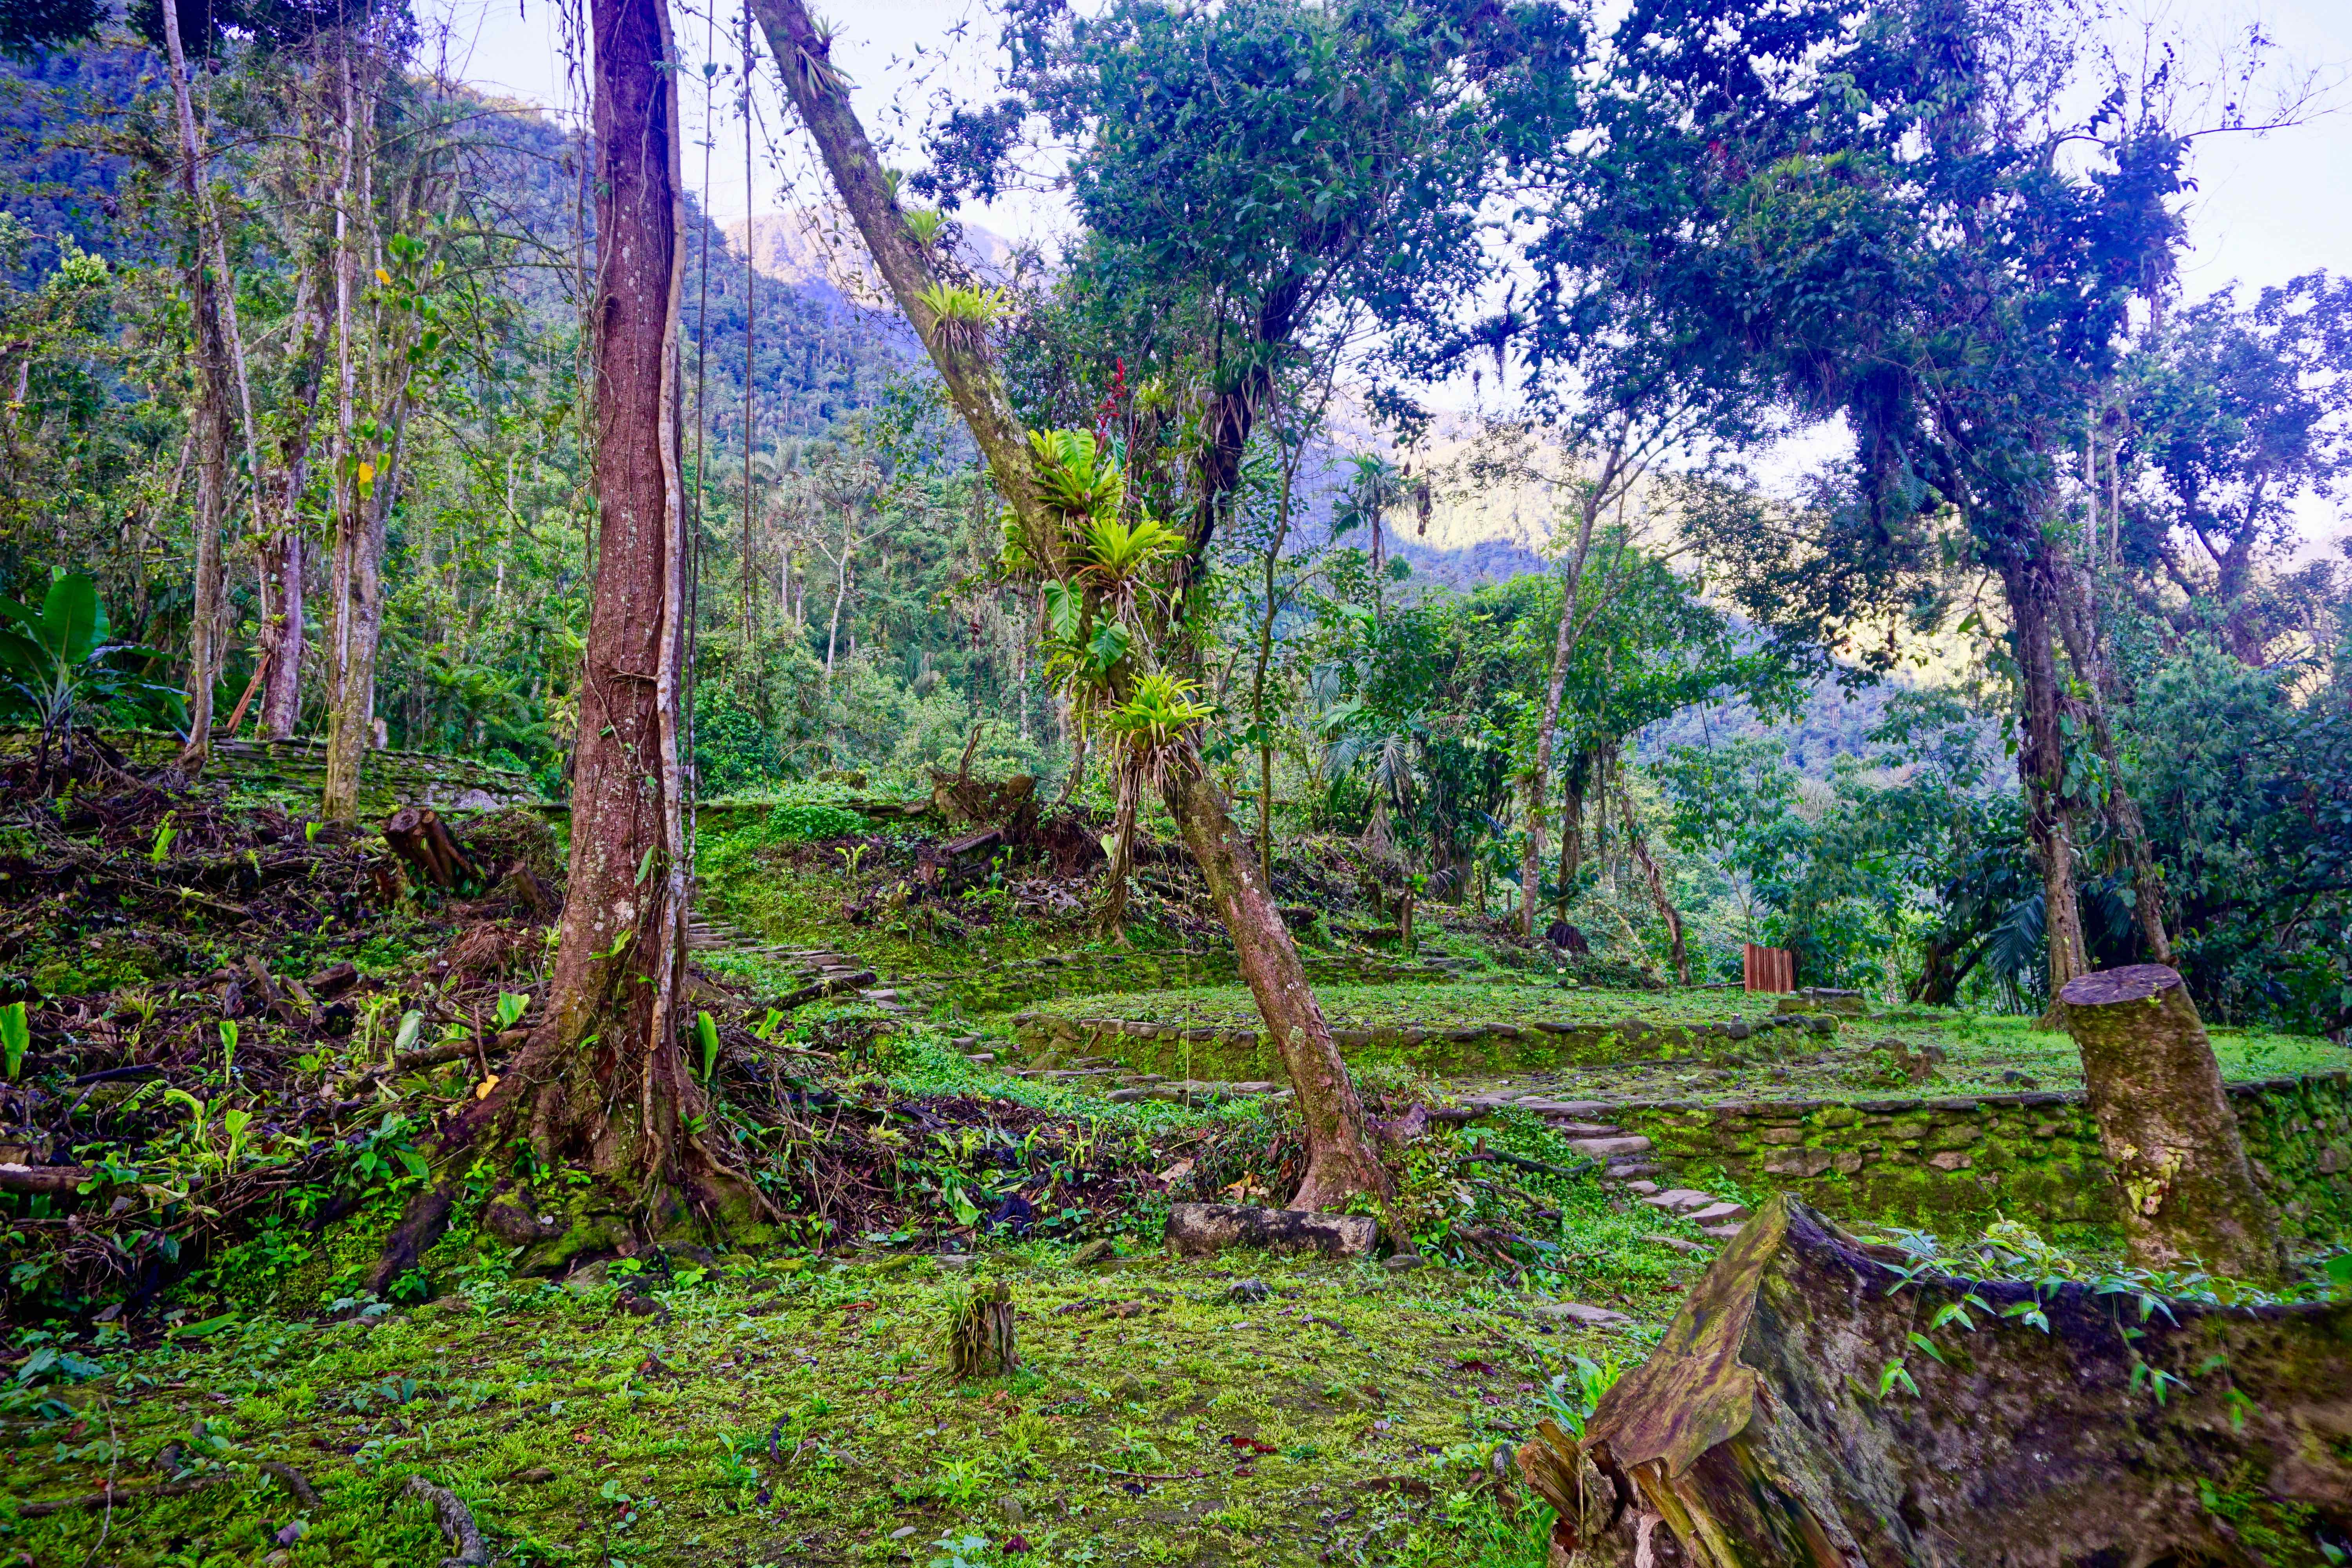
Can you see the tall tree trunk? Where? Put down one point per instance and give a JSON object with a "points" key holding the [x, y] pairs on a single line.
{"points": [[2042, 767], [214, 391], [1341, 1163], [281, 698], [355, 595], [603, 1082], [1563, 649], [2185, 1191]]}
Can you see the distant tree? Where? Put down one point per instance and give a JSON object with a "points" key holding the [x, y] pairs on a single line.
{"points": [[2235, 414]]}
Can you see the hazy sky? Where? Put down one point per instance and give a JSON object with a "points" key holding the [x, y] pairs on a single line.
{"points": [[2267, 207]]}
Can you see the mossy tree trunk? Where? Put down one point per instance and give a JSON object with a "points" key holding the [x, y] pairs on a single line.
{"points": [[1790, 1418], [1339, 1161], [2185, 1191]]}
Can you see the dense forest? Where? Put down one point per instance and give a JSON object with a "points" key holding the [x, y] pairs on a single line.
{"points": [[1915, 604]]}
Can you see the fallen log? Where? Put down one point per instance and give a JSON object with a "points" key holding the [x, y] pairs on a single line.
{"points": [[1796, 1416], [820, 989], [51, 1181], [1202, 1230]]}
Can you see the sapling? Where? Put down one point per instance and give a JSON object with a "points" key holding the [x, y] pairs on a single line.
{"points": [[15, 1037], [706, 1032], [229, 1047]]}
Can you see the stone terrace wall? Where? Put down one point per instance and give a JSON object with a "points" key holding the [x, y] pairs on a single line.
{"points": [[1049, 1039], [2030, 1156], [1005, 986], [296, 768]]}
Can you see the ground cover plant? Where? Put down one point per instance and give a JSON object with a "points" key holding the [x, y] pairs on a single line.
{"points": [[1547, 745]]}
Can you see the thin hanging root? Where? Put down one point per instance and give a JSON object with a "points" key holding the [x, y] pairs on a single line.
{"points": [[980, 1334], [457, 1522]]}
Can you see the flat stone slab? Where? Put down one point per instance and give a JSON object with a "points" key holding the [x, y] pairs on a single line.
{"points": [[1677, 1200], [1610, 1148], [1724, 1213], [1579, 1313], [1204, 1230]]}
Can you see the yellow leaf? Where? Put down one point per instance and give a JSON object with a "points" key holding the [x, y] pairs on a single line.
{"points": [[367, 473], [482, 1090], [382, 275]]}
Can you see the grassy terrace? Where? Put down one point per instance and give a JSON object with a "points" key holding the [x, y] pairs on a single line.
{"points": [[1865, 1059]]}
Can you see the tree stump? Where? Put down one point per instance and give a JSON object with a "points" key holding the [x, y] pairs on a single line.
{"points": [[418, 836], [1790, 1418], [980, 1334], [2185, 1192]]}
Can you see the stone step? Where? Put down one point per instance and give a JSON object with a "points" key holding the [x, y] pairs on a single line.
{"points": [[1680, 1200], [1725, 1211], [1609, 1148], [1690, 1248]]}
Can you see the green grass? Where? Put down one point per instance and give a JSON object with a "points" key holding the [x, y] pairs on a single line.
{"points": [[579, 1433]]}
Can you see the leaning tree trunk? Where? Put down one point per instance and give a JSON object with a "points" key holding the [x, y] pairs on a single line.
{"points": [[1341, 1163], [1793, 1418], [2185, 1190], [601, 1083], [2042, 769]]}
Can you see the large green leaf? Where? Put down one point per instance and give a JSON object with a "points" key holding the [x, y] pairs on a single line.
{"points": [[72, 621]]}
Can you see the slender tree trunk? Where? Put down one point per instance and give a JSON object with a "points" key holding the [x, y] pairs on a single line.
{"points": [[214, 391], [2185, 1191], [2080, 631], [1341, 1163], [355, 596], [1571, 826], [1563, 649], [281, 698], [2041, 768], [603, 1082], [1639, 848]]}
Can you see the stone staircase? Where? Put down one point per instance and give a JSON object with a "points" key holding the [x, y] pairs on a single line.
{"points": [[821, 969], [1628, 1160]]}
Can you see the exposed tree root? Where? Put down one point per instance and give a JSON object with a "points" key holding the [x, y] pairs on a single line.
{"points": [[457, 1521]]}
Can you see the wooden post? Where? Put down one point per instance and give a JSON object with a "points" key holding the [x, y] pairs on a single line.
{"points": [[2185, 1191]]}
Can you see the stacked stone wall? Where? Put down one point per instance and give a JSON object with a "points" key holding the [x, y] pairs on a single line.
{"points": [[1965, 1159]]}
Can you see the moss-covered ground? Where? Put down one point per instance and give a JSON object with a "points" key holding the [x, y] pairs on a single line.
{"points": [[792, 1410]]}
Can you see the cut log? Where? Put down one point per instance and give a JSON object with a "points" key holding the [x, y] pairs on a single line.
{"points": [[1203, 1230], [2184, 1191], [1791, 1418], [52, 1181], [418, 836]]}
